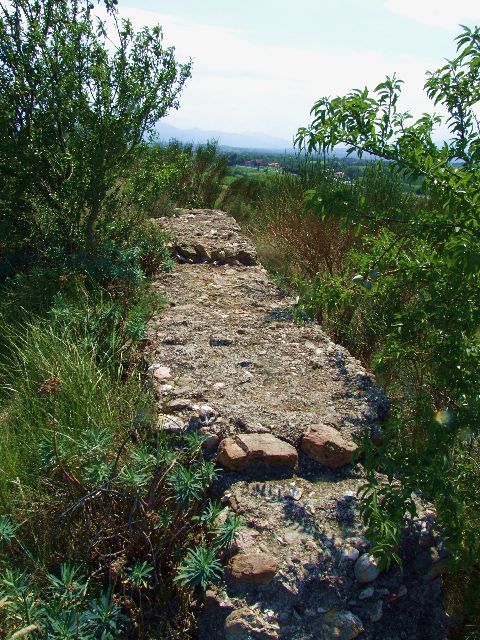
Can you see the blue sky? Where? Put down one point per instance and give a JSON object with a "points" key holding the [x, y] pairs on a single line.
{"points": [[260, 64]]}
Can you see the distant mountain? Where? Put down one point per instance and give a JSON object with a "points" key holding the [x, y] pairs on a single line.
{"points": [[260, 141]]}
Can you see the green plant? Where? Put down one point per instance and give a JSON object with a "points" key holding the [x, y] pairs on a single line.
{"points": [[73, 112], [199, 567], [69, 609], [271, 207], [176, 174], [225, 532], [417, 282], [7, 529], [140, 574]]}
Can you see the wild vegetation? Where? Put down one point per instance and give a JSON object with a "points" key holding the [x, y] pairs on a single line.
{"points": [[106, 527], [106, 524], [394, 275]]}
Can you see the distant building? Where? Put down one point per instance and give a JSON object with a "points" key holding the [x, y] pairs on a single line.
{"points": [[257, 162]]}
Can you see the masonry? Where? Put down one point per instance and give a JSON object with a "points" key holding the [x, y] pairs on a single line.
{"points": [[283, 410]]}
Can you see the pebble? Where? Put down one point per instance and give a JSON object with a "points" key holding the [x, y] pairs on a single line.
{"points": [[366, 593], [211, 441], [206, 414], [377, 611], [342, 625], [179, 404], [161, 373], [295, 492], [366, 569], [350, 553], [172, 424], [220, 342]]}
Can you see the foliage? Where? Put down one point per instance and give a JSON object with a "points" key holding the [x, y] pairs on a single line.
{"points": [[176, 175], [290, 240], [90, 480], [73, 112], [87, 478], [67, 611], [200, 567], [416, 291], [98, 505]]}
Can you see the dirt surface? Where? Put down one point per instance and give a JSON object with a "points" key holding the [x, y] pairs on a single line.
{"points": [[228, 358]]}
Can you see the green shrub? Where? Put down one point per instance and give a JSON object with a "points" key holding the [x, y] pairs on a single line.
{"points": [[176, 175], [64, 609], [409, 295], [90, 480], [74, 110]]}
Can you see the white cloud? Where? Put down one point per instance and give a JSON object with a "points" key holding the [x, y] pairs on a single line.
{"points": [[437, 13], [241, 86]]}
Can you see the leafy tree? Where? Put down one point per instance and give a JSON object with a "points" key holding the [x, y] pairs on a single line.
{"points": [[75, 102], [419, 270]]}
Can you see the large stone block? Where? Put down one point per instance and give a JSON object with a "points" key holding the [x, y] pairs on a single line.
{"points": [[247, 451]]}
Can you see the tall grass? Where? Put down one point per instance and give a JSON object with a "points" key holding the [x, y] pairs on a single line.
{"points": [[291, 239], [61, 377], [176, 175]]}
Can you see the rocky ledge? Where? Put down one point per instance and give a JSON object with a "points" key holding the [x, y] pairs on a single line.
{"points": [[282, 408]]}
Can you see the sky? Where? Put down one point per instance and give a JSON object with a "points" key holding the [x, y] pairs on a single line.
{"points": [[259, 65]]}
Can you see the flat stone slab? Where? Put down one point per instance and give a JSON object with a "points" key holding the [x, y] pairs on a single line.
{"points": [[256, 450], [229, 340], [252, 568]]}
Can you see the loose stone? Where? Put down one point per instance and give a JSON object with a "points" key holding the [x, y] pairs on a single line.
{"points": [[366, 569], [253, 450], [341, 625], [376, 611], [161, 373], [366, 593], [350, 553], [248, 624], [328, 447], [253, 568], [206, 415], [179, 404], [211, 441], [172, 424]]}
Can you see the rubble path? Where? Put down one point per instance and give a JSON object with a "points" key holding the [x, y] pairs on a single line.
{"points": [[281, 407]]}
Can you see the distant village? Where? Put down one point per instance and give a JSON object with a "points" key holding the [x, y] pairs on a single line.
{"points": [[260, 162]]}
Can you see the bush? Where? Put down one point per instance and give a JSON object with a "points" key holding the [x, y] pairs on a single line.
{"points": [[176, 175], [290, 240], [73, 113], [414, 296]]}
